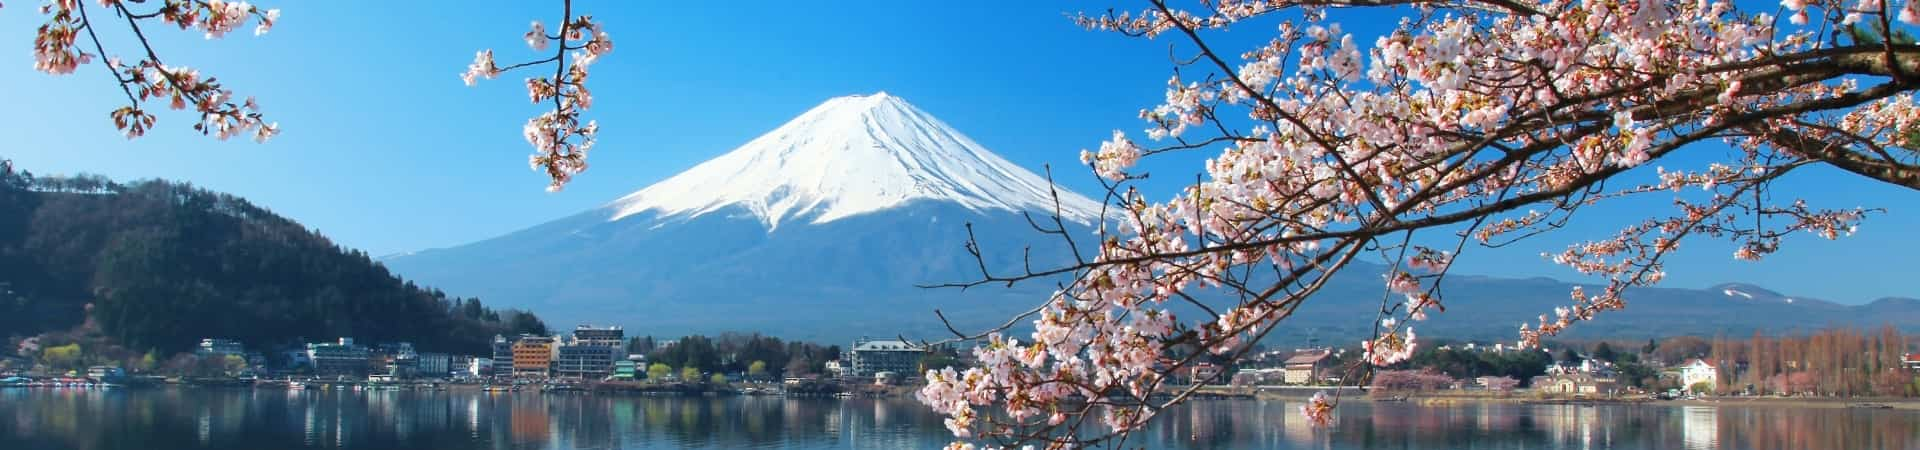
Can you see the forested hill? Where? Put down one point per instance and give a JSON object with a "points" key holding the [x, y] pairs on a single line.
{"points": [[157, 265]]}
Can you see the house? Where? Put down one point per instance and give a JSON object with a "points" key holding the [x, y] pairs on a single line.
{"points": [[1696, 371], [1911, 361], [835, 369], [1575, 384], [1307, 366], [871, 357]]}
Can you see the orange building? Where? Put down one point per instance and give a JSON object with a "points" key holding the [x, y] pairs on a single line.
{"points": [[532, 357]]}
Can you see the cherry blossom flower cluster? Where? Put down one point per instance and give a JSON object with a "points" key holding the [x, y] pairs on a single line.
{"points": [[222, 114], [1318, 410], [1487, 121], [559, 137]]}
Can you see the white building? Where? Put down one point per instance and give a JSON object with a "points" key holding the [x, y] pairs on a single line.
{"points": [[480, 367], [834, 369], [1696, 371]]}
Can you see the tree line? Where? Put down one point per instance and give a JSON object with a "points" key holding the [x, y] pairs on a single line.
{"points": [[1843, 362], [752, 354]]}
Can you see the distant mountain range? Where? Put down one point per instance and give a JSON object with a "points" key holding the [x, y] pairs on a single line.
{"points": [[821, 228]]}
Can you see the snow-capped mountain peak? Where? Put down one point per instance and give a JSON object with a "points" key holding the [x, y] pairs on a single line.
{"points": [[849, 156]]}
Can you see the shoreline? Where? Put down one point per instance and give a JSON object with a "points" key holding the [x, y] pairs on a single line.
{"points": [[1445, 399]]}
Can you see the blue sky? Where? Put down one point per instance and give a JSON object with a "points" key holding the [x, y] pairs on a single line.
{"points": [[385, 150]]}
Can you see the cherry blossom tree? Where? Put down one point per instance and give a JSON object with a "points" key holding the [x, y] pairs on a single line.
{"points": [[1411, 380], [1474, 123], [1502, 384], [559, 138]]}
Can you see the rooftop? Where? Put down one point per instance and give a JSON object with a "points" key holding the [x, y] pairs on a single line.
{"points": [[887, 345]]}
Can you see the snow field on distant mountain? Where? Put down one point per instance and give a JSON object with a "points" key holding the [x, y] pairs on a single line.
{"points": [[850, 156]]}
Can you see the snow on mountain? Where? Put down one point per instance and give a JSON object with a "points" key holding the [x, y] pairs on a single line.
{"points": [[849, 156]]}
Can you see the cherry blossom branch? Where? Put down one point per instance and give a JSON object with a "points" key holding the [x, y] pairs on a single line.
{"points": [[559, 139], [220, 115]]}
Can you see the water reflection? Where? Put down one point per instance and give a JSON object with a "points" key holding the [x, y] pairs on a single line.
{"points": [[247, 419]]}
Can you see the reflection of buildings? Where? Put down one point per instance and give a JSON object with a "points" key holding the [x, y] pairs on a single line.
{"points": [[1295, 428], [1571, 424], [1700, 426], [529, 424]]}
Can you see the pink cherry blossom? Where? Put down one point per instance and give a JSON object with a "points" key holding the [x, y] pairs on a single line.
{"points": [[560, 138]]}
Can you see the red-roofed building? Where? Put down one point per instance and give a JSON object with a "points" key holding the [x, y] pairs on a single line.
{"points": [[1911, 361]]}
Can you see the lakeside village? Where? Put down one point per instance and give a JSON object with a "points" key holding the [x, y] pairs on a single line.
{"points": [[1835, 363]]}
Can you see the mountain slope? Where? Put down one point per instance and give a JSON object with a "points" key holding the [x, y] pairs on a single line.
{"points": [[158, 266], [821, 229]]}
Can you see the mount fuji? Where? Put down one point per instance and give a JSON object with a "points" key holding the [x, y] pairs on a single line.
{"points": [[820, 229]]}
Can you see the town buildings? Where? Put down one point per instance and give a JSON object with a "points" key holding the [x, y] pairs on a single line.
{"points": [[340, 358], [871, 357], [503, 348], [434, 365], [590, 354], [583, 362], [533, 356]]}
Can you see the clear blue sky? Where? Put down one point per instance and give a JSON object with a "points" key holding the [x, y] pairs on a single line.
{"points": [[385, 150]]}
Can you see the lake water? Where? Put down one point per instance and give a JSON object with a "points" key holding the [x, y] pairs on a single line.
{"points": [[267, 419]]}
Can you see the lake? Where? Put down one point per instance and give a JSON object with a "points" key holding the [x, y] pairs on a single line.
{"points": [[271, 419]]}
